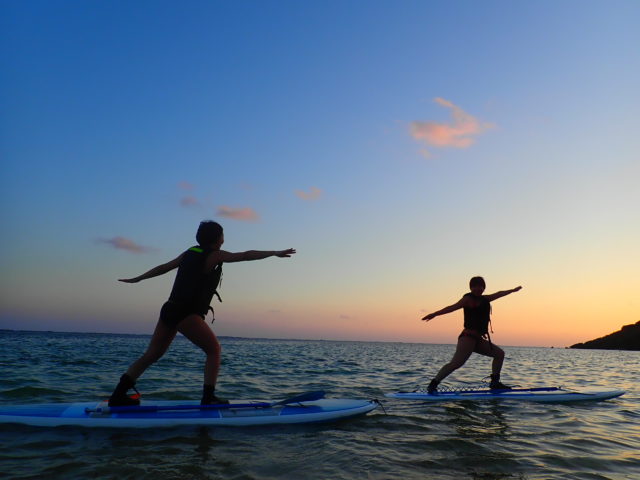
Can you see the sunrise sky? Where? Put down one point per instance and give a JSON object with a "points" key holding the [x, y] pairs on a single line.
{"points": [[400, 147]]}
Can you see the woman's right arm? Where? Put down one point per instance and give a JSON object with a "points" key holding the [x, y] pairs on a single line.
{"points": [[445, 310], [155, 271]]}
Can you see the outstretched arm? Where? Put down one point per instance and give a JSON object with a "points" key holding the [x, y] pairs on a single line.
{"points": [[155, 271], [497, 295], [449, 309], [221, 256]]}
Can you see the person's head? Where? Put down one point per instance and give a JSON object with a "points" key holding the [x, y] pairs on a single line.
{"points": [[477, 285], [210, 233]]}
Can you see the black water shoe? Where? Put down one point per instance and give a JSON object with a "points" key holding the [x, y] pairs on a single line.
{"points": [[209, 397], [213, 400], [433, 386], [119, 397], [123, 401], [496, 384]]}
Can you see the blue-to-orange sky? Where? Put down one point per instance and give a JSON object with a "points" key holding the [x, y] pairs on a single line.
{"points": [[401, 147]]}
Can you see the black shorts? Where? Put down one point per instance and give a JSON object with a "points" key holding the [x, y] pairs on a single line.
{"points": [[471, 333], [172, 314]]}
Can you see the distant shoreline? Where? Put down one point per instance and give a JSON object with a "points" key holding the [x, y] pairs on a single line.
{"points": [[627, 338]]}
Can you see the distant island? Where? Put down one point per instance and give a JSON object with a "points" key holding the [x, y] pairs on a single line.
{"points": [[628, 338]]}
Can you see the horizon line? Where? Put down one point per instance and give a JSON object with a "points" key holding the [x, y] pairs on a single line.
{"points": [[268, 338]]}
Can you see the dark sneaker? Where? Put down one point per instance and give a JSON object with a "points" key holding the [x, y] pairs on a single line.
{"points": [[433, 387]]}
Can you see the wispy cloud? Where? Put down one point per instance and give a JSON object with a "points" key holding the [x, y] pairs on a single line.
{"points": [[122, 243], [345, 317], [245, 214], [460, 133], [189, 201], [314, 193]]}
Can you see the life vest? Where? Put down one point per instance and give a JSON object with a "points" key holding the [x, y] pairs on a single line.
{"points": [[193, 288], [478, 318]]}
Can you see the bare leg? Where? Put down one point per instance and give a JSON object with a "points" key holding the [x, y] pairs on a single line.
{"points": [[465, 348], [195, 329], [160, 341], [483, 347]]}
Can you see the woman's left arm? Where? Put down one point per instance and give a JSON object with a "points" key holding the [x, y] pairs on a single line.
{"points": [[495, 296]]}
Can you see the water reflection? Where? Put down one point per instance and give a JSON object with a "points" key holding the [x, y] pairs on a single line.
{"points": [[481, 422]]}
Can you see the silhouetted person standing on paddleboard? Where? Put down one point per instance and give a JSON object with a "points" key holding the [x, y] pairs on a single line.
{"points": [[475, 336], [197, 279]]}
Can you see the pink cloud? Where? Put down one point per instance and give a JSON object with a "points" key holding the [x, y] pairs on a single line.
{"points": [[460, 133], [122, 243], [244, 214], [189, 201], [314, 193]]}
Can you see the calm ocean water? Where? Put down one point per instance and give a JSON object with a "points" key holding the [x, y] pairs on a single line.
{"points": [[470, 440]]}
